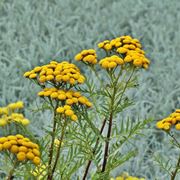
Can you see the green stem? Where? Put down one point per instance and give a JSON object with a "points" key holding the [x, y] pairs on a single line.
{"points": [[58, 150], [176, 141], [51, 149], [126, 86], [97, 75], [10, 176], [94, 151], [106, 150], [173, 174]]}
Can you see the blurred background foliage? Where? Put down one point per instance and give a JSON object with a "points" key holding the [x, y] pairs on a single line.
{"points": [[34, 32]]}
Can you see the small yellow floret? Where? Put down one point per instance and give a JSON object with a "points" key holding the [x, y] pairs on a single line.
{"points": [[178, 126], [74, 117], [21, 156], [14, 149], [7, 145], [60, 110], [32, 76], [62, 97], [78, 57], [36, 160], [30, 155], [69, 112], [25, 121]]}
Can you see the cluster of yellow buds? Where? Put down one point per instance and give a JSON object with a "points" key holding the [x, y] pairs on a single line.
{"points": [[88, 56], [138, 59], [130, 49], [16, 105], [62, 73], [69, 96], [172, 119], [56, 73], [14, 117], [8, 114], [118, 42], [109, 45], [11, 107], [67, 111], [111, 62], [22, 147], [126, 176]]}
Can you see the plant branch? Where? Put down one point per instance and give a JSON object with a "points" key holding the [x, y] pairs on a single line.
{"points": [[51, 150], [95, 147], [106, 151], [176, 141], [10, 176], [173, 174], [126, 86], [58, 150]]}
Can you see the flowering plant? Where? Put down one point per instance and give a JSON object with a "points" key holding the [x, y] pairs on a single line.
{"points": [[167, 125], [86, 128]]}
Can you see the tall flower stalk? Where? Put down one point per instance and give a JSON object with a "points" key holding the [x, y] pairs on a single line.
{"points": [[124, 57], [57, 81]]}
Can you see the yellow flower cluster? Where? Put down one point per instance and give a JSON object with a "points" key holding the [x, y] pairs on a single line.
{"points": [[88, 56], [138, 59], [69, 96], [172, 119], [11, 107], [124, 41], [125, 176], [109, 45], [129, 48], [55, 72], [14, 117], [16, 105], [111, 62], [67, 111], [8, 114], [22, 147]]}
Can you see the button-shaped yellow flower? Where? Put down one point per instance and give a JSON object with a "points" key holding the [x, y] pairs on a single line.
{"points": [[21, 156]]}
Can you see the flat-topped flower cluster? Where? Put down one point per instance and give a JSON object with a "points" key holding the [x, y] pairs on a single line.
{"points": [[10, 114], [22, 147]]}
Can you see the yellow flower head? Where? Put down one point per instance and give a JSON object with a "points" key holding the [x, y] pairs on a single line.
{"points": [[67, 111], [128, 48], [9, 114], [23, 148], [87, 56], [111, 62], [172, 120], [4, 111], [106, 45], [69, 97], [56, 73], [17, 105], [138, 59]]}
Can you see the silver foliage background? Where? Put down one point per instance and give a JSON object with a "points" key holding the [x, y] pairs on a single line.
{"points": [[34, 31]]}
